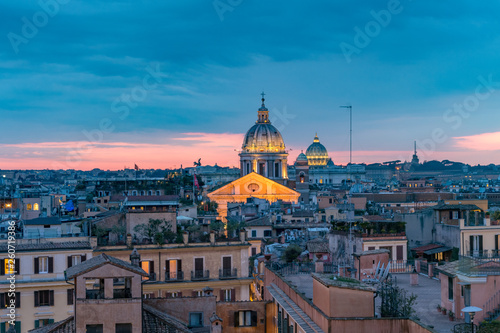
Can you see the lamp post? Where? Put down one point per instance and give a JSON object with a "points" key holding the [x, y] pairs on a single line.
{"points": [[471, 310]]}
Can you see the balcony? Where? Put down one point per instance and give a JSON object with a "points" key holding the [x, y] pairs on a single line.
{"points": [[174, 276], [122, 293], [478, 253], [152, 276], [225, 274], [200, 275]]}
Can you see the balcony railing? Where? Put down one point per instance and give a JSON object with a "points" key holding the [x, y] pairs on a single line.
{"points": [[478, 253], [94, 294], [200, 275], [228, 273], [152, 276], [174, 276]]}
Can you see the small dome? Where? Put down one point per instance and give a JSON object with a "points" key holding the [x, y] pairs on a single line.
{"points": [[301, 157], [317, 153]]}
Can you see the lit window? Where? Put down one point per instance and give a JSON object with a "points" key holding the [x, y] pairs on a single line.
{"points": [[29, 207], [35, 207], [9, 266]]}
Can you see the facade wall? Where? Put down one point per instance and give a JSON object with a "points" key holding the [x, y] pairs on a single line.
{"points": [[390, 244], [226, 310], [27, 282], [448, 235], [488, 233], [138, 218], [419, 227], [180, 308]]}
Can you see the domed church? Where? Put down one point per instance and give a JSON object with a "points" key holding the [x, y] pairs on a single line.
{"points": [[316, 154], [263, 150]]}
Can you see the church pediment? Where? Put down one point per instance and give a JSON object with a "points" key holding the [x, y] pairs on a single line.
{"points": [[254, 185]]}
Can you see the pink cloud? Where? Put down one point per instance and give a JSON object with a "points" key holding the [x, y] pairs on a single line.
{"points": [[484, 141]]}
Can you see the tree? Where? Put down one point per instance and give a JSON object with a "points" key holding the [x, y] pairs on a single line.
{"points": [[396, 302], [156, 231], [291, 252], [234, 225], [217, 226]]}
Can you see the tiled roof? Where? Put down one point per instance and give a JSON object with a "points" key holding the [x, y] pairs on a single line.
{"points": [[48, 246], [131, 198], [64, 326], [44, 221], [426, 247], [369, 252], [456, 207], [98, 261], [153, 321], [317, 245], [259, 221]]}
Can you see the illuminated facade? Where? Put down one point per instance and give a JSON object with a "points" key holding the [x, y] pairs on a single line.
{"points": [[317, 154], [263, 150]]}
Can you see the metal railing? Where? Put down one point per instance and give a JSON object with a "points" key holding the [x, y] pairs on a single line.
{"points": [[174, 276], [492, 307], [200, 275], [228, 273], [479, 266], [401, 266]]}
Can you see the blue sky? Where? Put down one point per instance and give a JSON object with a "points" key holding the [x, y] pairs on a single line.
{"points": [[212, 59]]}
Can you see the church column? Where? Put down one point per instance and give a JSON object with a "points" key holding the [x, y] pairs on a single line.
{"points": [[284, 171], [254, 166]]}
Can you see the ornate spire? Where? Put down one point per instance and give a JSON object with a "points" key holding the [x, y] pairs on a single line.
{"points": [[316, 139], [263, 106], [263, 113]]}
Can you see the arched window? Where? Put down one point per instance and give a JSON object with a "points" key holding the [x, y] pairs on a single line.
{"points": [[302, 177], [35, 206]]}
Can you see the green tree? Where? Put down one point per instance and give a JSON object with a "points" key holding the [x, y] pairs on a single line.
{"points": [[395, 301], [291, 252], [234, 225], [217, 226], [156, 230]]}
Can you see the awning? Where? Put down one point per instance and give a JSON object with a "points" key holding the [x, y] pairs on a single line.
{"points": [[438, 250]]}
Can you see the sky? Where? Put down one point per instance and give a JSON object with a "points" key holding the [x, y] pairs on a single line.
{"points": [[109, 84]]}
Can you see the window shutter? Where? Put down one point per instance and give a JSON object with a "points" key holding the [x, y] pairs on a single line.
{"points": [[2, 300], [2, 328], [179, 294], [169, 295], [151, 267], [233, 295], [18, 326], [254, 318], [17, 266], [236, 319], [194, 293], [70, 261], [222, 295], [37, 269], [51, 265], [84, 257], [451, 215], [18, 300], [37, 302], [179, 265], [2, 266], [51, 297], [167, 267], [471, 243], [51, 321], [37, 323], [70, 296], [496, 242], [480, 243]]}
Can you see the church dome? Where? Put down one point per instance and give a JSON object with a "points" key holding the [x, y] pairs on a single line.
{"points": [[263, 137], [301, 157], [317, 153]]}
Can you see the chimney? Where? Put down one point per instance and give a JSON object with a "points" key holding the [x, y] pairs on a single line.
{"points": [[129, 241], [243, 233], [185, 237], [135, 258], [212, 237]]}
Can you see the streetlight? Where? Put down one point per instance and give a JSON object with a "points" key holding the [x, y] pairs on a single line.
{"points": [[471, 310]]}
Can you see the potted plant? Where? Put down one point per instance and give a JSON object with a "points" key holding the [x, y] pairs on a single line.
{"points": [[451, 315], [443, 310], [439, 307]]}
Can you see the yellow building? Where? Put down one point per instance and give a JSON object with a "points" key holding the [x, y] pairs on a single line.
{"points": [[251, 185]]}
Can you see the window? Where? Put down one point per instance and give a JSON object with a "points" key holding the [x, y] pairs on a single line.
{"points": [[450, 288], [70, 296], [44, 298], [476, 245], [149, 267], [196, 319], [4, 327], [245, 318], [227, 295], [173, 270], [29, 207], [254, 251], [7, 299], [75, 260], [267, 233], [455, 215], [93, 328], [36, 207], [9, 266], [43, 322], [123, 328], [44, 265], [254, 233], [94, 290]]}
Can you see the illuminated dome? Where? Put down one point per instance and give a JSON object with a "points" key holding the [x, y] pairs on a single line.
{"points": [[301, 157], [263, 149], [317, 153]]}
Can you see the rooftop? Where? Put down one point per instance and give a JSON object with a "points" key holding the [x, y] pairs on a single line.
{"points": [[98, 261]]}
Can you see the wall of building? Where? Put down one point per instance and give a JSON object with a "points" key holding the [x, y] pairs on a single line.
{"points": [[137, 218], [419, 227], [226, 310], [181, 307], [448, 235]]}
